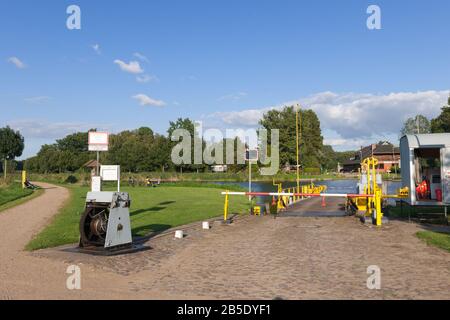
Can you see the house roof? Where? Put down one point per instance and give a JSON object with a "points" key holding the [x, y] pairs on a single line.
{"points": [[377, 149], [351, 162], [91, 164], [383, 147]]}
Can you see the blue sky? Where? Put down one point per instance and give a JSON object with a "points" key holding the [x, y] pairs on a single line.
{"points": [[223, 62]]}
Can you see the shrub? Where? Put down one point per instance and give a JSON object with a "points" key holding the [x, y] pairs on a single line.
{"points": [[71, 179]]}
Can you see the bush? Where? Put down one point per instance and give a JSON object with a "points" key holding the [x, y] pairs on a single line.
{"points": [[71, 179], [396, 169]]}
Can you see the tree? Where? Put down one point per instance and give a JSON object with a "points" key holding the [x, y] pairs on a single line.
{"points": [[77, 142], [11, 146], [188, 125], [442, 123], [159, 156], [139, 150], [417, 125], [311, 142], [135, 150], [331, 158]]}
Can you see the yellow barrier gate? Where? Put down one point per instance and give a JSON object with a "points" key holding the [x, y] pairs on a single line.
{"points": [[370, 201]]}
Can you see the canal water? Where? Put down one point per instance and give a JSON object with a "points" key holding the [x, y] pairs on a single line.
{"points": [[333, 186]]}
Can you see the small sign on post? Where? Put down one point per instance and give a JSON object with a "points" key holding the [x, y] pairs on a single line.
{"points": [[96, 184], [98, 141], [251, 155], [111, 173]]}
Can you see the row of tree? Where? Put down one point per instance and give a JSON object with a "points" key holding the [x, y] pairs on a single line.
{"points": [[421, 124], [142, 150]]}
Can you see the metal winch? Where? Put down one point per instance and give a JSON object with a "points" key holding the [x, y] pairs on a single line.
{"points": [[105, 222]]}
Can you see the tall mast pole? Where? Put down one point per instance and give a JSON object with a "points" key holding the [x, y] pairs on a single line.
{"points": [[297, 121]]}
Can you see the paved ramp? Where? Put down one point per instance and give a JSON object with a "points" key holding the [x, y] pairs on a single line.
{"points": [[313, 207]]}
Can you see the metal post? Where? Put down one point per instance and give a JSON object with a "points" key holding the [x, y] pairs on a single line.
{"points": [[98, 167], [225, 208], [24, 178], [379, 214], [297, 146], [374, 175], [118, 179], [445, 212], [249, 178]]}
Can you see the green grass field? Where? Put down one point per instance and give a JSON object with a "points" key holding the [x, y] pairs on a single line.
{"points": [[152, 209], [437, 239], [13, 194]]}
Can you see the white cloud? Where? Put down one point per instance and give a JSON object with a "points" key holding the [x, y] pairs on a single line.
{"points": [[141, 57], [35, 128], [365, 115], [351, 119], [16, 61], [244, 118], [146, 78], [145, 100], [132, 67], [233, 96], [96, 48], [38, 99]]}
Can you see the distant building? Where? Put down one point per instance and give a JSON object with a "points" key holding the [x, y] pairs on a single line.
{"points": [[387, 154], [219, 168], [92, 166], [287, 168]]}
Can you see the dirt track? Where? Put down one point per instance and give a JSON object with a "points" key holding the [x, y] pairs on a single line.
{"points": [[290, 258]]}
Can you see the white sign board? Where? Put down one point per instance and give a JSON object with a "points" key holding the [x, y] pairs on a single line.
{"points": [[98, 141], [110, 173], [96, 185], [252, 155]]}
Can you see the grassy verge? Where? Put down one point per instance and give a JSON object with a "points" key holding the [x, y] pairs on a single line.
{"points": [[13, 194], [435, 214], [152, 209], [437, 239]]}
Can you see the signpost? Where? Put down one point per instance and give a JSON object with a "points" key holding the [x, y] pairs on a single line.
{"points": [[111, 173], [251, 155], [98, 141]]}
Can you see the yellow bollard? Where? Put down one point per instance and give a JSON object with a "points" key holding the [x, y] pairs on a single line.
{"points": [[24, 178], [225, 207], [379, 214]]}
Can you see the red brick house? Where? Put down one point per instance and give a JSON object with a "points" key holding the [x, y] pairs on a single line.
{"points": [[387, 154]]}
